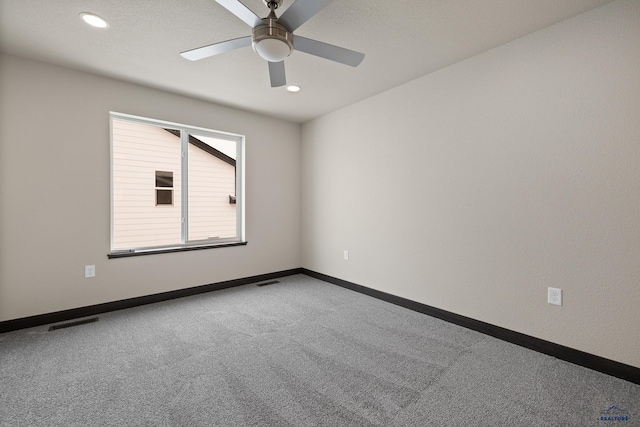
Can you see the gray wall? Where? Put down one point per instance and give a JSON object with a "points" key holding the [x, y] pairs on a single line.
{"points": [[54, 192], [475, 188]]}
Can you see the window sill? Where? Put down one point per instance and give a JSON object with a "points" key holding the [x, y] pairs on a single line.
{"points": [[141, 252]]}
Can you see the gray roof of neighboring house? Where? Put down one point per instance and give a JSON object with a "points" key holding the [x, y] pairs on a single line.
{"points": [[205, 147]]}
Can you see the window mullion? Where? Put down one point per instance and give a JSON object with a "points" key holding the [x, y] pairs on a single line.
{"points": [[184, 184]]}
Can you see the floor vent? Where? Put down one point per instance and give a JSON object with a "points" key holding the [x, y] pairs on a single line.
{"points": [[273, 282], [70, 324]]}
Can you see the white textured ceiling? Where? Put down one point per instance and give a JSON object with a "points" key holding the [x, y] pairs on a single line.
{"points": [[402, 40]]}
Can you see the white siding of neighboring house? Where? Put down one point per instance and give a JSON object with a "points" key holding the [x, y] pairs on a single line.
{"points": [[139, 151]]}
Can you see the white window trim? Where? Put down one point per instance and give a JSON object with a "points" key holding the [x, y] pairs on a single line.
{"points": [[184, 140]]}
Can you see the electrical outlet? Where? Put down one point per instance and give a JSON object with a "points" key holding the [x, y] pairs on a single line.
{"points": [[346, 255], [554, 296], [89, 271]]}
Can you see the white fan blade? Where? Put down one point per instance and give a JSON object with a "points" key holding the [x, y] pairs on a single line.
{"points": [[242, 12], [276, 74], [216, 48], [328, 51], [300, 12]]}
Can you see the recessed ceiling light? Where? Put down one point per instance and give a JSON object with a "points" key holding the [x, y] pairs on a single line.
{"points": [[293, 88], [94, 20]]}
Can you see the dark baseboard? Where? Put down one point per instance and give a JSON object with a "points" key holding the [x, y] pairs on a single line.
{"points": [[597, 363], [92, 310]]}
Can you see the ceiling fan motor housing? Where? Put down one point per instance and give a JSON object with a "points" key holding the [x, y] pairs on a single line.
{"points": [[272, 41]]}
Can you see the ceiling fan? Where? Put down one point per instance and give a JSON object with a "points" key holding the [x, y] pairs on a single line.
{"points": [[273, 37]]}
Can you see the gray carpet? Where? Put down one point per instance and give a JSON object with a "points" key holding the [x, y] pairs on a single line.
{"points": [[298, 353]]}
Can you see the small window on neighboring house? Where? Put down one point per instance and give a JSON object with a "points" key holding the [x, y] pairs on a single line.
{"points": [[164, 188]]}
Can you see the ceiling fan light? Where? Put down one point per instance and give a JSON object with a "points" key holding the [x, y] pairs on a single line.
{"points": [[272, 49], [272, 41]]}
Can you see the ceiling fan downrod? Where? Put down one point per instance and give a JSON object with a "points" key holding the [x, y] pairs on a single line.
{"points": [[272, 4]]}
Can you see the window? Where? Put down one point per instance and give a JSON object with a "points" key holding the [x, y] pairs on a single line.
{"points": [[164, 196], [173, 186]]}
